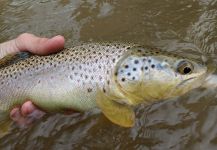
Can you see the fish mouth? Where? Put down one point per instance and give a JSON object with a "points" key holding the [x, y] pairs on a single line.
{"points": [[185, 81]]}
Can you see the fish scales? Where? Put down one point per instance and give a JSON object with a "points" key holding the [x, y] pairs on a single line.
{"points": [[67, 79], [111, 76]]}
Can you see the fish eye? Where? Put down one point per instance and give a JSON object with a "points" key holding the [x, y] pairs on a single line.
{"points": [[184, 67]]}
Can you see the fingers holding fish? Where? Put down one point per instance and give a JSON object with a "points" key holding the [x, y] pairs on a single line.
{"points": [[26, 114], [38, 45]]}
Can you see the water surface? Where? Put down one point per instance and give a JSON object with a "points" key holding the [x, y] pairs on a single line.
{"points": [[187, 122]]}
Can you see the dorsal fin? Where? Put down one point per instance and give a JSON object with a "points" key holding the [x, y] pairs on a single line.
{"points": [[13, 58]]}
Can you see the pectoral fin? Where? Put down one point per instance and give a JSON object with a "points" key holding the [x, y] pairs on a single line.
{"points": [[120, 114]]}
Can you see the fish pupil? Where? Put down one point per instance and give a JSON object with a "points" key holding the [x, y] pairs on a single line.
{"points": [[187, 70]]}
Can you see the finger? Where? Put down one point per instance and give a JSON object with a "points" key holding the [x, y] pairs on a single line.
{"points": [[29, 110], [25, 115], [15, 114], [37, 45]]}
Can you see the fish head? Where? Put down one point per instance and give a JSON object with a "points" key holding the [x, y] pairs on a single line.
{"points": [[145, 75]]}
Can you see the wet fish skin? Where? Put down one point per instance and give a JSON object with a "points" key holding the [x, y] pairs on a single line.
{"points": [[124, 73], [60, 81]]}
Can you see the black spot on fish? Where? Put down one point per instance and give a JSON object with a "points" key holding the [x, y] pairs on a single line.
{"points": [[128, 73], [126, 66], [123, 79], [134, 69], [149, 60], [146, 67], [139, 50], [152, 66], [133, 78], [136, 61], [104, 90], [89, 90]]}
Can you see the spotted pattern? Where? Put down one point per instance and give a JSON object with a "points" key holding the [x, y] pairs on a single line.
{"points": [[85, 67], [71, 78]]}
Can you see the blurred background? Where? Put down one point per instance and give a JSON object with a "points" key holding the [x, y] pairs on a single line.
{"points": [[188, 122]]}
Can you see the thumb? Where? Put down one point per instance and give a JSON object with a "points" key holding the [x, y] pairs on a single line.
{"points": [[37, 45]]}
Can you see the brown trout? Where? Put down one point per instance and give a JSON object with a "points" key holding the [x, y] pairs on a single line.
{"points": [[111, 76]]}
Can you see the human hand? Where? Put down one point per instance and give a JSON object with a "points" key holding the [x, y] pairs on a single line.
{"points": [[27, 113]]}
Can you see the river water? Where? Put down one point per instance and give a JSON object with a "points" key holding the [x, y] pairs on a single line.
{"points": [[187, 122]]}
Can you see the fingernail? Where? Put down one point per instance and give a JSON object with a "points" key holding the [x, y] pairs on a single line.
{"points": [[27, 108]]}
